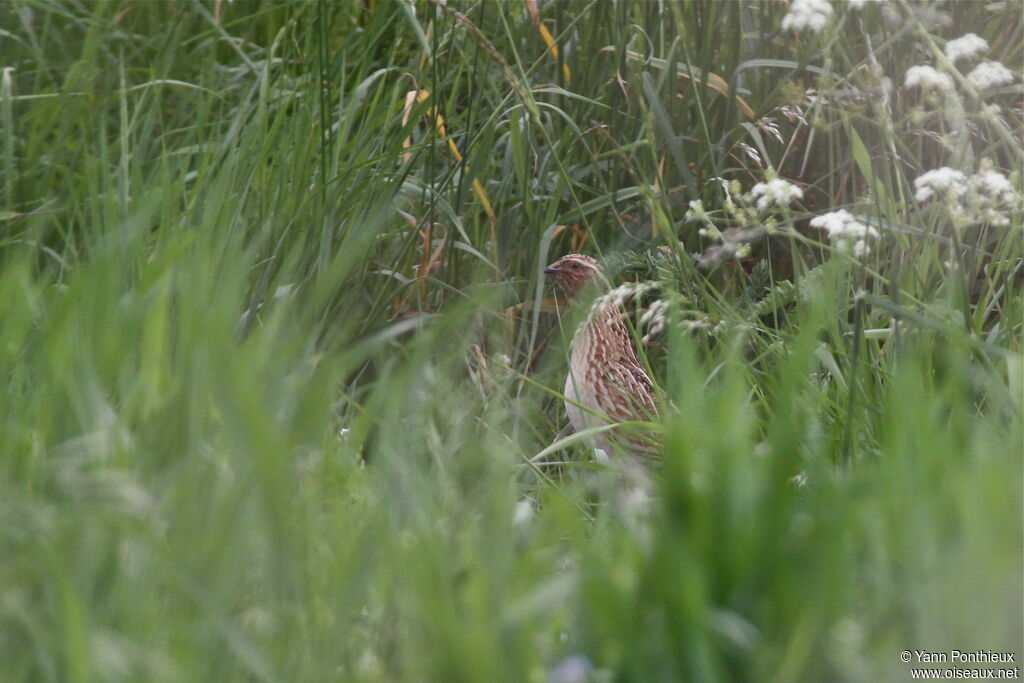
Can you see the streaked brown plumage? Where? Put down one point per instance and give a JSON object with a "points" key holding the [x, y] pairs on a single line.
{"points": [[605, 376]]}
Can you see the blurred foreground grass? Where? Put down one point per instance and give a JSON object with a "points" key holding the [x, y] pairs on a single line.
{"points": [[273, 346]]}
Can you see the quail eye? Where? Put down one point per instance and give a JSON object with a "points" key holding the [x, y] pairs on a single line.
{"points": [[574, 266]]}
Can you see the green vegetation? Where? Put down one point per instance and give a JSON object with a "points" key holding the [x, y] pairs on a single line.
{"points": [[278, 358]]}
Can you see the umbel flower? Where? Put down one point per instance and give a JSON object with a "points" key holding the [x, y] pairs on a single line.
{"points": [[985, 197], [988, 75], [775, 192], [812, 15], [943, 182], [846, 232], [746, 217], [859, 4], [965, 47], [969, 47], [928, 78]]}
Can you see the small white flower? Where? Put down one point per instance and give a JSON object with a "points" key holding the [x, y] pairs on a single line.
{"points": [[990, 75], [710, 232], [861, 249], [940, 181], [696, 210], [846, 232], [808, 14], [994, 184], [523, 513], [776, 192], [985, 197], [842, 223], [992, 196], [965, 46], [572, 669], [927, 77]]}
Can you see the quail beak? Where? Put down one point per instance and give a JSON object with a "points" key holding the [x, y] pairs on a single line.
{"points": [[551, 270]]}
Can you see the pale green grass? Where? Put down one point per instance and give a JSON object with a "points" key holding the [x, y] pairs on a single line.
{"points": [[274, 378]]}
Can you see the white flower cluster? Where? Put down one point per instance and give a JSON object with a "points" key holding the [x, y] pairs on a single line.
{"points": [[696, 210], [944, 182], [846, 232], [985, 197], [776, 192], [747, 215], [966, 46], [985, 76], [994, 184], [808, 14], [859, 4], [523, 513], [989, 75], [992, 197], [928, 78]]}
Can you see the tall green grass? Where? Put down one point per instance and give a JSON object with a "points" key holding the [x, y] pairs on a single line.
{"points": [[277, 373]]}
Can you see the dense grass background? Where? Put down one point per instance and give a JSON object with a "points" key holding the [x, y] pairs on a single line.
{"points": [[278, 361]]}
